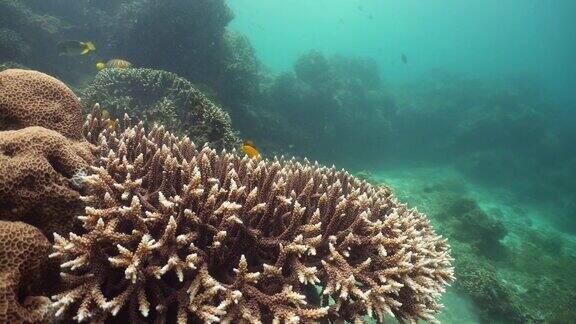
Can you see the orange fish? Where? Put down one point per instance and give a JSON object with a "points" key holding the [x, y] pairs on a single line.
{"points": [[249, 149]]}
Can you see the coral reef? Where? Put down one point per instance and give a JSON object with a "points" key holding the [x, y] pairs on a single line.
{"points": [[238, 85], [339, 105], [23, 249], [470, 224], [486, 123], [185, 31], [497, 302], [29, 37], [37, 166], [172, 232], [524, 278], [41, 149], [156, 96], [12, 46], [31, 98]]}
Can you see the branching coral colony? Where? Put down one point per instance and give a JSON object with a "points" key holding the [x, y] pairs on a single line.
{"points": [[173, 233]]}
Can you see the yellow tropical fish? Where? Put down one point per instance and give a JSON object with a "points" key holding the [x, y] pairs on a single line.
{"points": [[74, 47], [111, 124], [114, 64], [249, 149]]}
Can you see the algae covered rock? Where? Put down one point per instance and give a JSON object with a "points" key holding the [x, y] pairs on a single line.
{"points": [[156, 96]]}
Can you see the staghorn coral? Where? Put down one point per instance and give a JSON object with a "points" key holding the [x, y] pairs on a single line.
{"points": [[170, 231], [156, 96], [37, 166], [22, 251], [31, 98]]}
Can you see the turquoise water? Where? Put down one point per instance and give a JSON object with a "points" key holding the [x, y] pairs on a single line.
{"points": [[477, 37]]}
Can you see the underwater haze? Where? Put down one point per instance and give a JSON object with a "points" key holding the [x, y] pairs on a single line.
{"points": [[479, 37], [482, 121], [464, 109]]}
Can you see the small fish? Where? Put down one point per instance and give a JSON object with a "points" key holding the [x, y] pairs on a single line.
{"points": [[114, 64], [249, 149], [110, 124], [73, 47], [404, 58]]}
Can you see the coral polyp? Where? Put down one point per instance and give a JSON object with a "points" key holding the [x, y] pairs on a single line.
{"points": [[172, 230]]}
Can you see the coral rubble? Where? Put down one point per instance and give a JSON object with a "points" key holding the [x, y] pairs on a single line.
{"points": [[156, 96], [172, 232]]}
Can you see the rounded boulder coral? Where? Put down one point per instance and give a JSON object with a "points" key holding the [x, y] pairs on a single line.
{"points": [[156, 96], [31, 98], [172, 233], [37, 169], [23, 249]]}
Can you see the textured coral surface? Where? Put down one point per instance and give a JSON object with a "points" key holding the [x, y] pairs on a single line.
{"points": [[156, 96], [31, 98], [37, 166], [175, 233], [23, 249]]}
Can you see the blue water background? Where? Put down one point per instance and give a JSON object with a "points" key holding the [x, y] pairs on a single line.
{"points": [[478, 37]]}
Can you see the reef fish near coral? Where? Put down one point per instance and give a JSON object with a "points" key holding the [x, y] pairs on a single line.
{"points": [[74, 47], [249, 149], [114, 64], [194, 235]]}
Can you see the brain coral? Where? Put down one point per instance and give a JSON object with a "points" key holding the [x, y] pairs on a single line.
{"points": [[37, 169], [23, 248], [156, 96], [172, 233], [31, 98]]}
